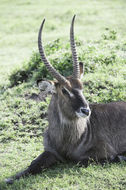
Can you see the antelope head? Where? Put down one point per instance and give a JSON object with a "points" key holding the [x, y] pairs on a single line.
{"points": [[70, 98]]}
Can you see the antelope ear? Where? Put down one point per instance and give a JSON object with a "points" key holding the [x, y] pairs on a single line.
{"points": [[48, 86], [81, 65]]}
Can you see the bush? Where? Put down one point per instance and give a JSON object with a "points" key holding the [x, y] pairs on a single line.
{"points": [[104, 66]]}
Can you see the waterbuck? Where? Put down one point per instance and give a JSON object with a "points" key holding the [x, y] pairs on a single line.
{"points": [[78, 131]]}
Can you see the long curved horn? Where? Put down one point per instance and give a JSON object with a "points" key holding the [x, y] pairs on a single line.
{"points": [[50, 68], [76, 69]]}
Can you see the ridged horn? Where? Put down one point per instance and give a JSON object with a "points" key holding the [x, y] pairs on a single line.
{"points": [[50, 68], [76, 69]]}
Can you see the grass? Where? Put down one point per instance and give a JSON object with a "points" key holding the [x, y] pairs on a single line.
{"points": [[101, 42]]}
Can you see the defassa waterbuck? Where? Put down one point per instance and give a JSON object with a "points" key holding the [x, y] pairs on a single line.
{"points": [[78, 131]]}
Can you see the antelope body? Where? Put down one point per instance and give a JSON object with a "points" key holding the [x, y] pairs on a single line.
{"points": [[78, 131], [99, 136]]}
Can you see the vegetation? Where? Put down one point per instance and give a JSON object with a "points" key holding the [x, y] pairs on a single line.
{"points": [[101, 44]]}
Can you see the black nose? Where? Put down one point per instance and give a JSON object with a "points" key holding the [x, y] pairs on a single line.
{"points": [[85, 111]]}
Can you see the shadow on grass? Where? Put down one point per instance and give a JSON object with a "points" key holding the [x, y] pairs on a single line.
{"points": [[58, 171], [26, 183]]}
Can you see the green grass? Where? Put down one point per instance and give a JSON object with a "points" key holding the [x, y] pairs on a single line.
{"points": [[101, 43]]}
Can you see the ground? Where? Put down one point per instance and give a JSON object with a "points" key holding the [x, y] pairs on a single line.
{"points": [[101, 43]]}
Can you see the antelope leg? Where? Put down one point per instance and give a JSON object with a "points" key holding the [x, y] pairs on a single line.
{"points": [[44, 160], [119, 158]]}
